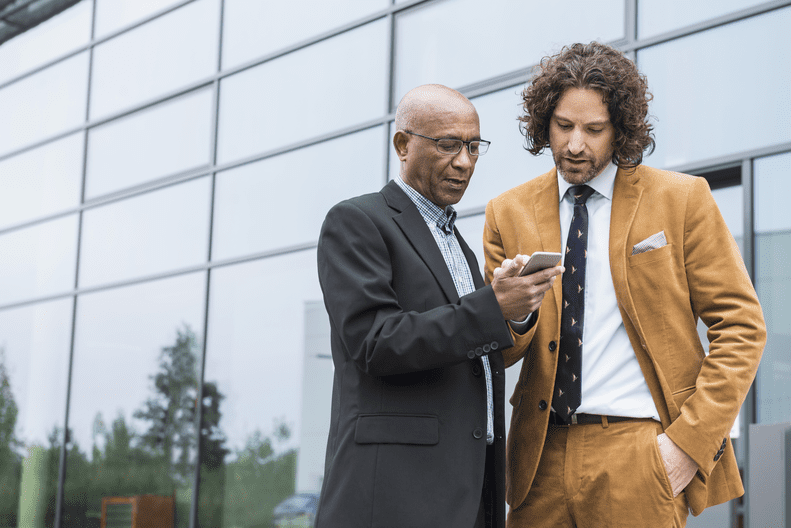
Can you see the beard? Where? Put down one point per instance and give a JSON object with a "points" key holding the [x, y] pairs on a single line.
{"points": [[579, 173]]}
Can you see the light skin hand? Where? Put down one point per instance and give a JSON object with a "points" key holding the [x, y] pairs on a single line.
{"points": [[520, 296], [680, 467]]}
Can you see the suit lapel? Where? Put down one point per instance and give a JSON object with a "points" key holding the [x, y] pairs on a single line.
{"points": [[546, 208], [413, 226], [626, 198]]}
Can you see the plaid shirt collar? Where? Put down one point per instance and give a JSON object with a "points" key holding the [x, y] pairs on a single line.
{"points": [[431, 212]]}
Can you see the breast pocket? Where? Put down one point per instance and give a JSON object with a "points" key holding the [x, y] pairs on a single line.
{"points": [[397, 429], [650, 256]]}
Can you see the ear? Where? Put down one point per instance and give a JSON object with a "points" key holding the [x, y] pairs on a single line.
{"points": [[401, 142]]}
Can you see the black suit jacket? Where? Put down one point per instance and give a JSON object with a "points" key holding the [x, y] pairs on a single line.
{"points": [[407, 442]]}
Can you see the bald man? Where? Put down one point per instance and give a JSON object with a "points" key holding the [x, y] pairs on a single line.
{"points": [[417, 434]]}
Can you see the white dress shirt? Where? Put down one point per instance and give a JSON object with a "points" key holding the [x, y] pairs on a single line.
{"points": [[612, 382]]}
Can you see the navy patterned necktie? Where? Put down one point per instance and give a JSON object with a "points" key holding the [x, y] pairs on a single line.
{"points": [[568, 382]]}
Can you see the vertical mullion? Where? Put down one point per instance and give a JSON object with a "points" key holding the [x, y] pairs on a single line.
{"points": [[63, 448], [193, 521], [390, 91]]}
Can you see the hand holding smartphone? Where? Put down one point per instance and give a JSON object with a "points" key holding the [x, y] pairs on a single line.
{"points": [[540, 260]]}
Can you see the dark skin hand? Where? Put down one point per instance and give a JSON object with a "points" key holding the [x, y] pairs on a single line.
{"points": [[520, 296]]}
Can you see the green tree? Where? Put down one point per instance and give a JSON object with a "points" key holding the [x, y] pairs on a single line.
{"points": [[10, 461]]}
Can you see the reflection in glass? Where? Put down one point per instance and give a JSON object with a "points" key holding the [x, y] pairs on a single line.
{"points": [[253, 28], [280, 102], [134, 389], [112, 15], [49, 40], [162, 140], [150, 233], [256, 205], [48, 102], [163, 55], [658, 16], [773, 282], [38, 260], [462, 42], [268, 356], [704, 110], [34, 360], [41, 181]]}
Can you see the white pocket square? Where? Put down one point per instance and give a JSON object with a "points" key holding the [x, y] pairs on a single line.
{"points": [[653, 242]]}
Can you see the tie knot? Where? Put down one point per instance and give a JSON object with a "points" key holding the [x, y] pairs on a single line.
{"points": [[580, 193]]}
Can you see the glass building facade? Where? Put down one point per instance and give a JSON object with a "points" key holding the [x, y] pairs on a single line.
{"points": [[165, 166]]}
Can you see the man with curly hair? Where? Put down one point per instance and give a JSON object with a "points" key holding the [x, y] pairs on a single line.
{"points": [[620, 418]]}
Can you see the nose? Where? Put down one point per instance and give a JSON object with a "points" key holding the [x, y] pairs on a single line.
{"points": [[463, 159], [576, 142]]}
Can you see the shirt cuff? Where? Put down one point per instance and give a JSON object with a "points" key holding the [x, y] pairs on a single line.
{"points": [[521, 327]]}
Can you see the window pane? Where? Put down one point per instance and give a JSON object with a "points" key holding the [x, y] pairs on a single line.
{"points": [[43, 104], [462, 42], [34, 362], [659, 16], [773, 282], [253, 28], [269, 371], [166, 139], [38, 260], [296, 192], [49, 40], [506, 164], [703, 107], [151, 233], [134, 387], [163, 55], [41, 181], [251, 123], [112, 15]]}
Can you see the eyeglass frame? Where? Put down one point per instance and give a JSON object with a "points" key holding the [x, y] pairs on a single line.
{"points": [[467, 143]]}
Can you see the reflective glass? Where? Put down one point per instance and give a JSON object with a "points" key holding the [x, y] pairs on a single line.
{"points": [[462, 42], [280, 101], [38, 260], [269, 374], [34, 362], [41, 181], [163, 55], [703, 107], [137, 356], [49, 40], [50, 101], [282, 201], [112, 15], [162, 140], [252, 28], [659, 16], [151, 233], [773, 282]]}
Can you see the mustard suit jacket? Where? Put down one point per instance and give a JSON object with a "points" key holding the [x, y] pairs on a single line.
{"points": [[661, 294]]}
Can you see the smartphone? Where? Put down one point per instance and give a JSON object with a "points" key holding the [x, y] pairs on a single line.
{"points": [[540, 260]]}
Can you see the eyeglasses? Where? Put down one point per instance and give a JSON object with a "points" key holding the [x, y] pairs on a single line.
{"points": [[476, 147]]}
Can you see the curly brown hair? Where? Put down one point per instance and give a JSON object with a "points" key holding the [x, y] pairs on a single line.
{"points": [[599, 67]]}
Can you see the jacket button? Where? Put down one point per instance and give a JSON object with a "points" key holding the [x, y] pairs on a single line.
{"points": [[471, 354], [542, 405], [476, 369], [724, 442], [477, 433], [486, 349], [717, 457], [479, 351], [552, 346], [495, 345]]}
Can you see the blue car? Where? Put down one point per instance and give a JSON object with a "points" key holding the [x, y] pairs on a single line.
{"points": [[297, 511]]}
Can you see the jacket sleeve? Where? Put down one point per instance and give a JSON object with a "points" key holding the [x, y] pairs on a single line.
{"points": [[494, 254], [723, 296], [378, 335]]}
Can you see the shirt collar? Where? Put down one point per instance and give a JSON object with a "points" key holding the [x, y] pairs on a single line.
{"points": [[603, 184], [431, 212]]}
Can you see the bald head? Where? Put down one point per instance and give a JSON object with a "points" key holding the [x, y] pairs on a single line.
{"points": [[425, 102]]}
